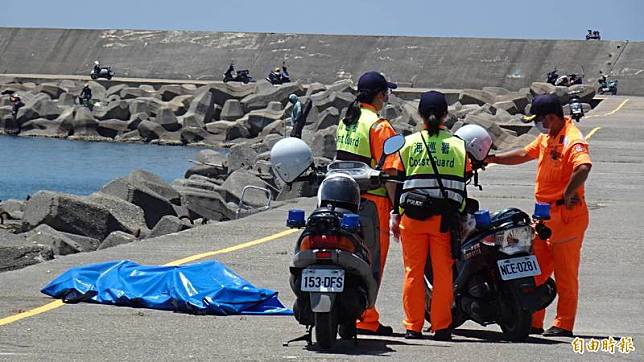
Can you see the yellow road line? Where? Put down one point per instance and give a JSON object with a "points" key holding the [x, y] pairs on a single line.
{"points": [[232, 248], [611, 112], [591, 133], [32, 312], [618, 107], [59, 303]]}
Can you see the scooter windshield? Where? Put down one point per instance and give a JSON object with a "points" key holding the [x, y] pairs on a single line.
{"points": [[355, 169]]}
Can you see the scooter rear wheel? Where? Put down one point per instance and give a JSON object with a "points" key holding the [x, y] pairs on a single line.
{"points": [[515, 322], [326, 329]]}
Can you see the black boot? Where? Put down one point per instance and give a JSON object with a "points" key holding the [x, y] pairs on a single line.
{"points": [[409, 334], [557, 332], [443, 335]]}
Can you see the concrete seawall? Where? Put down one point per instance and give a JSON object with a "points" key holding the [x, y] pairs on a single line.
{"points": [[411, 61]]}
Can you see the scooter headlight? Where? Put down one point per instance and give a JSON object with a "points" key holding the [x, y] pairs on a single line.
{"points": [[515, 240]]}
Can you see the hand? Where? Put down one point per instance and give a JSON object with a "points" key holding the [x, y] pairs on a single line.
{"points": [[394, 226], [571, 200], [489, 159]]}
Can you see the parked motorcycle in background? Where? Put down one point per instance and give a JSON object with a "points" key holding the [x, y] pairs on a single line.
{"points": [[570, 79], [333, 274], [607, 86], [576, 108], [552, 76], [237, 76], [279, 76], [593, 35], [102, 72]]}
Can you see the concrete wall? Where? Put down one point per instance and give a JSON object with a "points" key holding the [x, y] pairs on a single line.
{"points": [[411, 61]]}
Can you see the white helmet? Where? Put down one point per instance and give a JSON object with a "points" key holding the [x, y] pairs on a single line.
{"points": [[290, 158], [477, 141], [96, 62]]}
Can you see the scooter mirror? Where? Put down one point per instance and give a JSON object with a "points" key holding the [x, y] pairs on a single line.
{"points": [[393, 144]]}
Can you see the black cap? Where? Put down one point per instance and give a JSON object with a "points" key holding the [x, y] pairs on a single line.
{"points": [[432, 102], [544, 104], [374, 81]]}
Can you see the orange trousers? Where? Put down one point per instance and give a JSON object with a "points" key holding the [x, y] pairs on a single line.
{"points": [[561, 254], [370, 319], [419, 239]]}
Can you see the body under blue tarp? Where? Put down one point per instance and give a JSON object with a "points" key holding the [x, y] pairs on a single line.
{"points": [[201, 288]]}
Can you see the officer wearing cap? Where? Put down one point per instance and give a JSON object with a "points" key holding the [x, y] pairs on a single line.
{"points": [[562, 169], [360, 137], [435, 165]]}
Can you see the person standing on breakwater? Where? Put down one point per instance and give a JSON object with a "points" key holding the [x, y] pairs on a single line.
{"points": [[16, 104], [360, 137], [299, 115]]}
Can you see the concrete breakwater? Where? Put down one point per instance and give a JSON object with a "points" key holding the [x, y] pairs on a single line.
{"points": [[411, 61], [249, 119]]}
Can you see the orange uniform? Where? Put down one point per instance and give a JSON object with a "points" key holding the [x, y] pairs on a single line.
{"points": [[558, 156], [377, 136], [420, 239]]}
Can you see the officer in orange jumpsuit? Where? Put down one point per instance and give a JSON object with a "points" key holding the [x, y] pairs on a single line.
{"points": [[562, 168], [427, 209], [360, 137]]}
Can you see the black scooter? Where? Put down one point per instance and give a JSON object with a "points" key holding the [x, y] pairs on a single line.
{"points": [[103, 72], [607, 86], [552, 76], [593, 35], [494, 275], [237, 76], [332, 274], [278, 77]]}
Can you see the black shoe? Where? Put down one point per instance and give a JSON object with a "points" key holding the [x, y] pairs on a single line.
{"points": [[409, 334], [443, 335], [557, 332], [534, 330], [381, 331]]}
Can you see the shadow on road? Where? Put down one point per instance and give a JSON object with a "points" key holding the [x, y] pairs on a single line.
{"points": [[366, 346], [482, 336]]}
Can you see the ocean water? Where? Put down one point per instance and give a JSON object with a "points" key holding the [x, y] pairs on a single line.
{"points": [[28, 164]]}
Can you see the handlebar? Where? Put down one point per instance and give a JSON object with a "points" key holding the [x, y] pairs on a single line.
{"points": [[366, 177]]}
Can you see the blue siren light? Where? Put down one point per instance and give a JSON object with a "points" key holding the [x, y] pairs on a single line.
{"points": [[350, 222], [295, 218], [541, 211], [482, 218]]}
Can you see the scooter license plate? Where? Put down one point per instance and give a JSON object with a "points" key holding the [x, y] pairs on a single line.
{"points": [[521, 267], [322, 280]]}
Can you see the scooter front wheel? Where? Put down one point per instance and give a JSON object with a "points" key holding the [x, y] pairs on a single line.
{"points": [[326, 329]]}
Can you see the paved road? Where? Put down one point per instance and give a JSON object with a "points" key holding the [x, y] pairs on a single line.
{"points": [[611, 278]]}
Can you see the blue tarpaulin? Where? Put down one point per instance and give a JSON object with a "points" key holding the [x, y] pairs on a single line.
{"points": [[201, 288]]}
